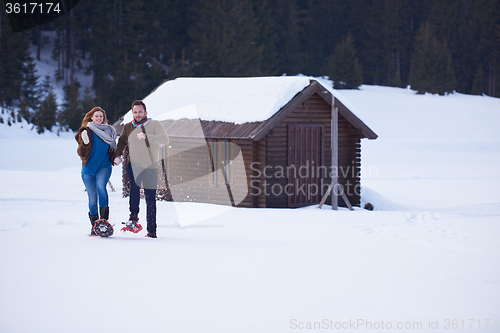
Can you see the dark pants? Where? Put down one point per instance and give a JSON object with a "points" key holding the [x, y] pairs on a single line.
{"points": [[149, 179]]}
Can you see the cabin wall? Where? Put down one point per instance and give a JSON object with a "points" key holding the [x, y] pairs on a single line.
{"points": [[188, 165], [314, 111], [191, 178], [257, 180], [248, 151]]}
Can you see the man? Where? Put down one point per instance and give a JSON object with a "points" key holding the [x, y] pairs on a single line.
{"points": [[143, 136]]}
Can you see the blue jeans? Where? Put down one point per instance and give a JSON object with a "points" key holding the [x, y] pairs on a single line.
{"points": [[149, 177], [96, 188]]}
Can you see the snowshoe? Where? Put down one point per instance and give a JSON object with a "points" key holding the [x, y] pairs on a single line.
{"points": [[132, 226], [151, 235], [103, 228]]}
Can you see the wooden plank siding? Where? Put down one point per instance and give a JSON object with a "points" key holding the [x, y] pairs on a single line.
{"points": [[188, 168], [314, 111], [257, 182]]}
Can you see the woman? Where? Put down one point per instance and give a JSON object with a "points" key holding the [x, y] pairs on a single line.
{"points": [[96, 147]]}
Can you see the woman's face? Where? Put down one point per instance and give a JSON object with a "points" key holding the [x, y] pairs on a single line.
{"points": [[98, 117]]}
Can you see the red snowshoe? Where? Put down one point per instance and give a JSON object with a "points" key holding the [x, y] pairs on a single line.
{"points": [[132, 226]]}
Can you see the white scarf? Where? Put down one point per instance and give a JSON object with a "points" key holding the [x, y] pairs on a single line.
{"points": [[106, 132]]}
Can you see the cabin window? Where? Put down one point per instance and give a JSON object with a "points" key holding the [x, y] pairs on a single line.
{"points": [[221, 166]]}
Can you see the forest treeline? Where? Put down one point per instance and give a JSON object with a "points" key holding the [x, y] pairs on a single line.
{"points": [[131, 46]]}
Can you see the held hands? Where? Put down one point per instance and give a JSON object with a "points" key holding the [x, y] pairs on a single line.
{"points": [[117, 160], [85, 137], [141, 136]]}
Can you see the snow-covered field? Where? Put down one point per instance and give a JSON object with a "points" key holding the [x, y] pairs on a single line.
{"points": [[427, 259]]}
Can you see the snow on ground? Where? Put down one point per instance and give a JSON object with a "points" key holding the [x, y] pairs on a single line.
{"points": [[425, 260]]}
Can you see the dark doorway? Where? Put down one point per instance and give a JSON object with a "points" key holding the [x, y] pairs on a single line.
{"points": [[305, 159]]}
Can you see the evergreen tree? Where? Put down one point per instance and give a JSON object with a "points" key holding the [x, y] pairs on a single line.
{"points": [[322, 24], [484, 28], [58, 54], [225, 39], [166, 34], [266, 37], [343, 66], [448, 20], [122, 63], [45, 117], [386, 49], [394, 69], [133, 45], [13, 55], [432, 68], [288, 21], [29, 100], [88, 100], [72, 114], [480, 83], [495, 85]]}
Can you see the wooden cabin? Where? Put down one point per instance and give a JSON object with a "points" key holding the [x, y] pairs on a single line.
{"points": [[281, 158]]}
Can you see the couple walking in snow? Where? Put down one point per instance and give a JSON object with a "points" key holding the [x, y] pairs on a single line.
{"points": [[99, 151]]}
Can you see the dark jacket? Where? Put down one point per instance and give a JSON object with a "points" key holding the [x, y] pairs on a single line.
{"points": [[84, 150]]}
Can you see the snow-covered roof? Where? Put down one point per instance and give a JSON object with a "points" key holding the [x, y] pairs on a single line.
{"points": [[233, 100]]}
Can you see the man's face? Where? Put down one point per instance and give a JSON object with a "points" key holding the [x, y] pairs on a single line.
{"points": [[138, 113]]}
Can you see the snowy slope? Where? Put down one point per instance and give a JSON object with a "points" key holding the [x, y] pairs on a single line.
{"points": [[46, 66], [426, 260], [432, 151]]}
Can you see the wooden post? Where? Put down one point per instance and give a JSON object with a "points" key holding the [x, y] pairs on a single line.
{"points": [[325, 195], [335, 154], [335, 187]]}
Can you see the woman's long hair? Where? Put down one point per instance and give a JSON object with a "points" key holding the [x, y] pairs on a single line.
{"points": [[90, 114]]}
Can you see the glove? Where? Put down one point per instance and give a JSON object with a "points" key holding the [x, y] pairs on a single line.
{"points": [[117, 160], [85, 137]]}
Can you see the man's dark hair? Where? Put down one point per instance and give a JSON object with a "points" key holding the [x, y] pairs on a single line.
{"points": [[138, 102]]}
